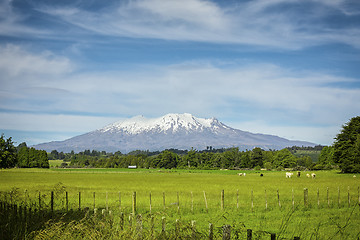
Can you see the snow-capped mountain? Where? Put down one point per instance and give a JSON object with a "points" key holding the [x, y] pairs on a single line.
{"points": [[179, 131]]}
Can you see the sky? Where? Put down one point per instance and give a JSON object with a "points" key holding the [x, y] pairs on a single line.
{"points": [[290, 68]]}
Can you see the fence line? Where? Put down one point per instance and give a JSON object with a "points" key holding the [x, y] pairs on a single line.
{"points": [[228, 200]]}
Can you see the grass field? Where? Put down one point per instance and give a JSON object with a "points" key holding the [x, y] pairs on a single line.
{"points": [[270, 203]]}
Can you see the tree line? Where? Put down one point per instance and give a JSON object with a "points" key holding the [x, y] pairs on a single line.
{"points": [[231, 158], [21, 156]]}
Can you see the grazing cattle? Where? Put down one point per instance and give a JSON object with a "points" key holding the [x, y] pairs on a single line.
{"points": [[354, 176], [242, 174], [289, 174], [298, 174], [313, 175], [307, 175], [261, 175]]}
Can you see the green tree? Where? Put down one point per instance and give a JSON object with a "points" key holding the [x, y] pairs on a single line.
{"points": [[7, 153], [347, 147], [284, 158]]}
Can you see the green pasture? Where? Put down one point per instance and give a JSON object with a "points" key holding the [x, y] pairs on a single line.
{"points": [[271, 203]]}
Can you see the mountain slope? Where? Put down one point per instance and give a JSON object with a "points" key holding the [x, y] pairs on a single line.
{"points": [[179, 131]]}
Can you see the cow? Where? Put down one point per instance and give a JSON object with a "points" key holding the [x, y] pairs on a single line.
{"points": [[242, 174], [313, 175], [307, 175], [289, 174], [261, 175], [298, 174]]}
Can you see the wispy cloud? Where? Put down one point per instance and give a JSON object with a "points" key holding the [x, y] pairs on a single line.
{"points": [[272, 23]]}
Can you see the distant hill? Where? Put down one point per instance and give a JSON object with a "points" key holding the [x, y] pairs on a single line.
{"points": [[179, 131]]}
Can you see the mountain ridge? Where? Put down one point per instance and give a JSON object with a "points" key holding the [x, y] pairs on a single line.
{"points": [[181, 131]]}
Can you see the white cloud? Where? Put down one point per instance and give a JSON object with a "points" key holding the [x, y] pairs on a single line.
{"points": [[249, 22]]}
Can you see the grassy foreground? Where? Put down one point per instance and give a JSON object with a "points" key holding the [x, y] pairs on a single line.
{"points": [[268, 204]]}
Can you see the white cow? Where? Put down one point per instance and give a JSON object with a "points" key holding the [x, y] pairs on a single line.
{"points": [[289, 174], [242, 174], [307, 175], [313, 175]]}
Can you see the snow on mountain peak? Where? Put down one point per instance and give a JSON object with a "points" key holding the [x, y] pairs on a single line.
{"points": [[169, 122]]}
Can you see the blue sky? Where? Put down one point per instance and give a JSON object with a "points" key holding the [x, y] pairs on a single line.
{"points": [[285, 67]]}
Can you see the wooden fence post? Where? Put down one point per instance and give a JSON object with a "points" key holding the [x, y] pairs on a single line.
{"points": [[266, 202], [211, 231], [150, 202], [67, 201], [296, 238], [339, 196], [121, 221], [120, 201], [292, 199], [273, 236], [94, 200], [206, 205], [134, 203], [192, 203], [252, 200], [237, 198], [318, 198], [249, 234], [39, 200], [52, 201], [79, 200], [163, 228], [278, 196], [305, 197], [106, 202], [193, 229], [327, 196], [164, 200], [349, 196], [178, 201], [226, 232], [222, 199]]}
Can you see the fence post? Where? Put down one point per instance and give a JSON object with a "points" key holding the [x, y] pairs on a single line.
{"points": [[94, 200], [318, 198], [67, 201], [359, 193], [164, 200], [266, 202], [193, 229], [120, 201], [292, 199], [305, 197], [211, 231], [52, 201], [150, 202], [249, 234], [163, 228], [278, 196], [327, 196], [296, 238], [222, 199], [273, 236], [339, 196], [206, 205], [348, 196], [178, 201], [237, 198], [79, 200], [192, 202], [107, 205], [226, 232], [121, 221], [252, 200], [39, 200], [134, 203]]}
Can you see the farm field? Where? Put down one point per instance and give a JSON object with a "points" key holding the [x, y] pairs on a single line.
{"points": [[328, 209]]}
